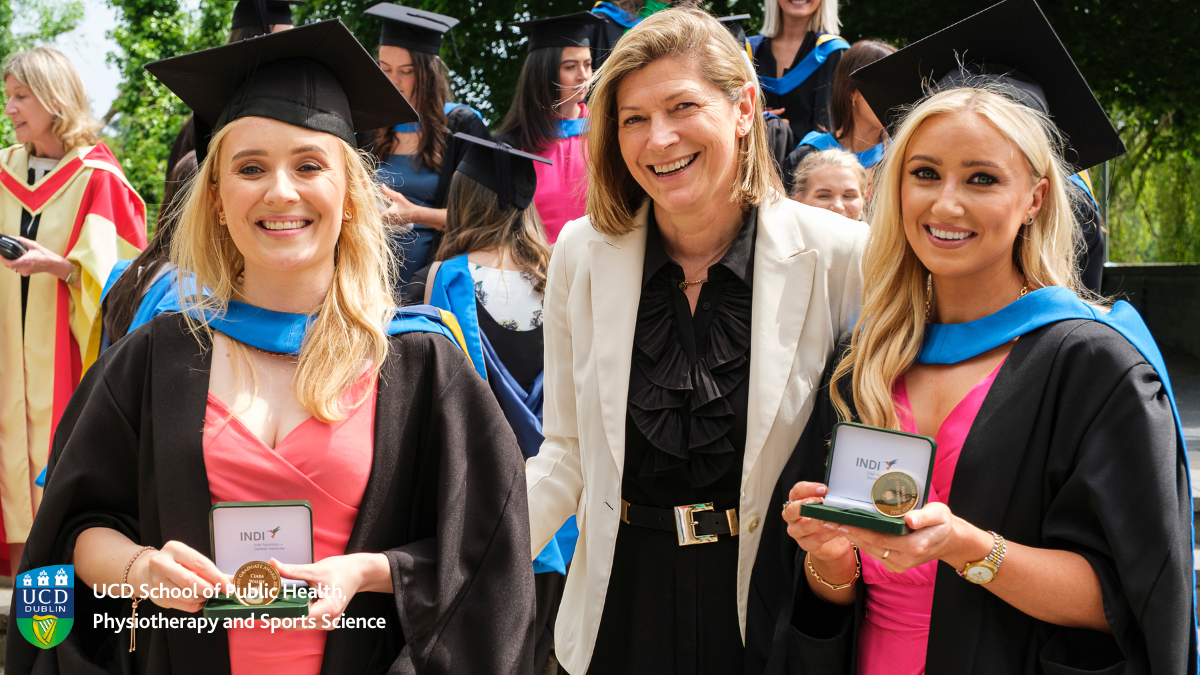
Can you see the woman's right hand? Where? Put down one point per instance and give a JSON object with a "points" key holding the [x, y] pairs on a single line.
{"points": [[822, 543], [177, 565]]}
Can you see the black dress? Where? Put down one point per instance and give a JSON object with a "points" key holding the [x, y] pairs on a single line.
{"points": [[672, 608], [445, 502], [1073, 449], [806, 106]]}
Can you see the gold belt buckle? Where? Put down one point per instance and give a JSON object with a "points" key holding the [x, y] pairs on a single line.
{"points": [[685, 525]]}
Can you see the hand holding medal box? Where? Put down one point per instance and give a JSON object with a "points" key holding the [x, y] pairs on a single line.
{"points": [[874, 477], [244, 536]]}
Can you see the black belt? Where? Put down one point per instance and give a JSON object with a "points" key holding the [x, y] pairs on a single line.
{"points": [[694, 524]]}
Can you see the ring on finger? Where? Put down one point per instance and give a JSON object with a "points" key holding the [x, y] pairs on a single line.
{"points": [[785, 508], [886, 553]]}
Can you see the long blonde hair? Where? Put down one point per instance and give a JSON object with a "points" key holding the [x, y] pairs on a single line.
{"points": [[694, 36], [348, 327], [889, 332], [824, 19], [54, 81]]}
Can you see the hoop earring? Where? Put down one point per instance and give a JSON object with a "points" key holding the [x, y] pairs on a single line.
{"points": [[222, 220]]}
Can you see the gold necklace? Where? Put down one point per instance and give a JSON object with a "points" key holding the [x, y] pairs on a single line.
{"points": [[290, 357], [929, 292], [683, 285]]}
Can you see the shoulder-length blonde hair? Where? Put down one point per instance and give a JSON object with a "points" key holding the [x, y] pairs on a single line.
{"points": [[889, 332], [824, 19], [54, 81], [693, 36], [349, 325]]}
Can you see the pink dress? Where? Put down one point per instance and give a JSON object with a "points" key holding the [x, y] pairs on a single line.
{"points": [[561, 194], [895, 629], [327, 464]]}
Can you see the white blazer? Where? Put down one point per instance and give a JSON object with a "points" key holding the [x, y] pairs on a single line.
{"points": [[807, 294]]}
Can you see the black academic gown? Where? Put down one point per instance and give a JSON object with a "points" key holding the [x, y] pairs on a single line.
{"points": [[1074, 449], [806, 106], [445, 502]]}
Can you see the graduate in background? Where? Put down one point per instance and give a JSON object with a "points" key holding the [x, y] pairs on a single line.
{"points": [[619, 16], [491, 273], [1058, 534], [795, 56], [855, 128], [294, 378], [779, 132], [548, 116], [64, 198], [251, 18], [417, 159], [832, 180]]}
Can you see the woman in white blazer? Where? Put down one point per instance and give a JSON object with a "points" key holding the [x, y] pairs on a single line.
{"points": [[688, 320]]}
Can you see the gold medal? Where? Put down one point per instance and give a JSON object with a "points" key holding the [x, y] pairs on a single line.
{"points": [[257, 584], [895, 494]]}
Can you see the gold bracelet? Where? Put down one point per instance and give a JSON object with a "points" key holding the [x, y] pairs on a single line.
{"points": [[836, 587], [136, 600]]}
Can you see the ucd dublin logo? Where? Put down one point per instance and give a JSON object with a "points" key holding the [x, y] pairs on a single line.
{"points": [[45, 599]]}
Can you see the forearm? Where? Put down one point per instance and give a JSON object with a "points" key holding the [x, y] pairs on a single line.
{"points": [[101, 555], [429, 217], [1058, 587]]}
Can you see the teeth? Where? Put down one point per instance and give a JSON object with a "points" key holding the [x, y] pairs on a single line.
{"points": [[953, 236], [283, 224], [661, 169]]}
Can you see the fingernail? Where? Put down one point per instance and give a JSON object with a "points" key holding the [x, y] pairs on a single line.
{"points": [[828, 526], [843, 530], [822, 490]]}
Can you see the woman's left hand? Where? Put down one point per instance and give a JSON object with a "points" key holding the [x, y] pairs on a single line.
{"points": [[38, 259], [337, 579], [401, 210], [936, 534]]}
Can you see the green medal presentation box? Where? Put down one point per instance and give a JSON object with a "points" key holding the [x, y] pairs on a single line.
{"points": [[242, 532], [858, 456]]}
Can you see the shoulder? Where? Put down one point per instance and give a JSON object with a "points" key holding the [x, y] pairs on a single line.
{"points": [[463, 118], [1090, 348], [575, 236], [428, 358], [788, 223]]}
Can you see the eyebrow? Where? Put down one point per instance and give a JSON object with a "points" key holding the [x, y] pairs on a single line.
{"points": [[980, 162], [672, 97], [263, 153], [249, 153], [925, 158], [308, 148]]}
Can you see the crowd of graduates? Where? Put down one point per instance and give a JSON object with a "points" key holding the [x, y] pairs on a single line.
{"points": [[611, 336]]}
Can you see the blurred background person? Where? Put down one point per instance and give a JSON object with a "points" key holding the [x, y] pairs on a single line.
{"points": [[855, 127], [832, 180], [619, 16], [417, 159], [65, 199], [795, 56], [548, 116]]}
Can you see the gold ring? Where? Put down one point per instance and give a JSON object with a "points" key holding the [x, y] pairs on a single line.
{"points": [[886, 553]]}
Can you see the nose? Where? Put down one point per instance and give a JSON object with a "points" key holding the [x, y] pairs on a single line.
{"points": [[10, 108], [662, 133], [948, 205], [585, 74], [838, 206], [281, 190]]}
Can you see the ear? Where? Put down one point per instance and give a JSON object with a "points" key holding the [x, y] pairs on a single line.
{"points": [[213, 195], [1038, 198], [745, 108]]}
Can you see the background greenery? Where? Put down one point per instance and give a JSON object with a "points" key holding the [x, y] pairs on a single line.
{"points": [[1141, 58]]}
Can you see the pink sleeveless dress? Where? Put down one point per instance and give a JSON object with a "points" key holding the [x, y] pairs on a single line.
{"points": [[327, 464], [895, 628]]}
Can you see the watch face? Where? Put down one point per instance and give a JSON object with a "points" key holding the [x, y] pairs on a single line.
{"points": [[979, 574]]}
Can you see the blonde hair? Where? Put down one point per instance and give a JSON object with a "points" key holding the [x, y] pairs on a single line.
{"points": [[839, 159], [693, 36], [348, 327], [57, 86], [824, 19], [890, 330]]}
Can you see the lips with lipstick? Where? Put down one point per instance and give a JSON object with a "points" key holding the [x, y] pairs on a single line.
{"points": [[672, 168]]}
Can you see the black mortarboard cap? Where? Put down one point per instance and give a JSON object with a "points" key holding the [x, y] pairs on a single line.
{"points": [[413, 29], [734, 24], [568, 30], [316, 76], [263, 13], [502, 169], [1010, 45]]}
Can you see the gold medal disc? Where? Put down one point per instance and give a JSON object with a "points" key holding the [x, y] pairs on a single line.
{"points": [[895, 494], [257, 584]]}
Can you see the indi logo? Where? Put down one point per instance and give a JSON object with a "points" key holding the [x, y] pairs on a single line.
{"points": [[260, 536], [45, 599]]}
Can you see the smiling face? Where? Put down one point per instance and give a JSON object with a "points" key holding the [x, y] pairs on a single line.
{"points": [[397, 64], [574, 70], [679, 135], [799, 10], [282, 191], [836, 189], [965, 192], [31, 121]]}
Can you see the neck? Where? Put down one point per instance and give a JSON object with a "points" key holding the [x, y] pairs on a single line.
{"points": [[571, 110], [792, 29], [865, 135], [293, 292], [974, 296], [699, 239], [48, 149], [494, 258]]}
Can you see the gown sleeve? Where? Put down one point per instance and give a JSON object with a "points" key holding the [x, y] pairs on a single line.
{"points": [[465, 596]]}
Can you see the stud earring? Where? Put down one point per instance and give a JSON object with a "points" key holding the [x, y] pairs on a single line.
{"points": [[222, 220], [1029, 220], [346, 215]]}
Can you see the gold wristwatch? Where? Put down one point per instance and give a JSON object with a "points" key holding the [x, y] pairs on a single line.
{"points": [[984, 571]]}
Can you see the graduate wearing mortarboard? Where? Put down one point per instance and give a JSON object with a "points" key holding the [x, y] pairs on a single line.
{"points": [[293, 378], [417, 159], [1058, 534], [491, 273], [548, 116]]}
